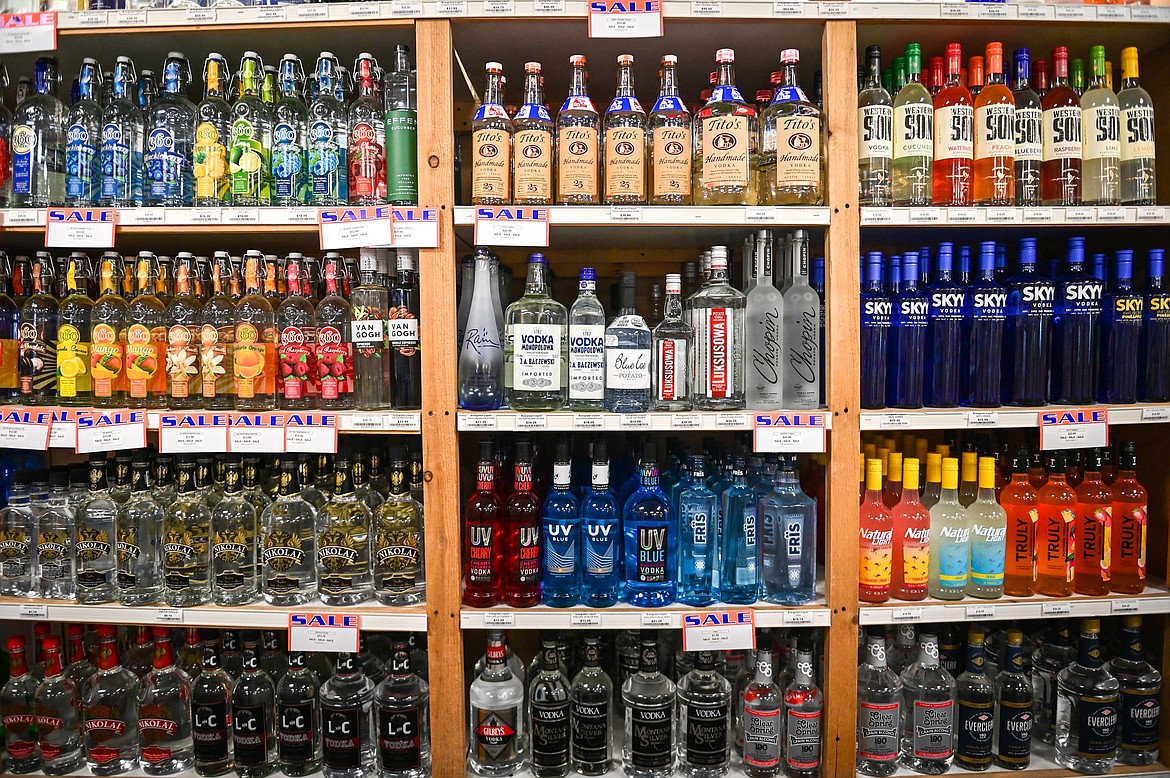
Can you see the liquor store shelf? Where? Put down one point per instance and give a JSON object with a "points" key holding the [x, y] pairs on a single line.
{"points": [[1124, 216], [1155, 599], [373, 616], [672, 216], [969, 418], [623, 616], [154, 220], [405, 422], [562, 421], [1043, 765]]}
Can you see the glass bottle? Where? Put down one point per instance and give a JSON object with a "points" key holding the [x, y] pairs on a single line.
{"points": [[591, 698], [717, 318], [548, 710], [367, 136], [699, 542], [402, 707], [187, 538], [600, 531], [146, 338], [624, 142], [334, 346], [928, 712], [1087, 698], [532, 134], [668, 130], [704, 720], [347, 720], [953, 142], [96, 519], [56, 554], [879, 706], [10, 335], [39, 334], [1029, 145], [123, 141], [328, 139], [109, 713], [1093, 531], [234, 553], [58, 715], [536, 346], [38, 141], [343, 537], [586, 347], [875, 120], [1013, 707], [1141, 691], [995, 135], [1100, 137], [1138, 176], [83, 140], [249, 161], [726, 130], [1019, 502], [402, 334], [170, 139], [298, 718], [211, 705], [648, 747], [18, 696], [371, 302], [789, 527], [496, 721], [1130, 506], [913, 137], [739, 555], [988, 525], [400, 93], [765, 317], [139, 545], [398, 542], [876, 538], [578, 127], [254, 740], [481, 368], [212, 134], [185, 314], [673, 344], [803, 717], [164, 712], [950, 538], [290, 127], [650, 539], [491, 142], [976, 708], [627, 354], [1061, 167], [801, 375], [254, 354], [217, 337], [483, 561], [74, 386], [288, 547], [297, 340]]}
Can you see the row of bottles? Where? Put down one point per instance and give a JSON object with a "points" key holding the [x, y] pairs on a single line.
{"points": [[188, 531], [731, 533], [723, 152], [987, 136], [720, 348], [964, 330], [1015, 695], [347, 715], [250, 333], [1032, 526], [284, 139]]}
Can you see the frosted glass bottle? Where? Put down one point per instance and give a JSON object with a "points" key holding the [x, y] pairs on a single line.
{"points": [[481, 354], [765, 314], [801, 378]]}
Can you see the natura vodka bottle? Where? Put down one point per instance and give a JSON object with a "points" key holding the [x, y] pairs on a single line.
{"points": [[587, 346], [988, 525], [668, 131], [1087, 702], [536, 345], [1138, 178], [928, 712], [38, 142], [879, 710], [875, 118], [578, 129], [624, 143], [648, 748], [123, 130], [698, 551], [495, 742], [717, 317], [170, 139], [288, 547], [726, 133], [83, 140], [627, 354]]}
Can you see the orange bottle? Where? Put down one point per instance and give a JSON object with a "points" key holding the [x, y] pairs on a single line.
{"points": [[1094, 530], [911, 544], [995, 135], [1037, 473], [1055, 526], [892, 493], [875, 536], [1129, 515], [954, 147], [1019, 501]]}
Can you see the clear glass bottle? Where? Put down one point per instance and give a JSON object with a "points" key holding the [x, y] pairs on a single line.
{"points": [[38, 141], [109, 713], [170, 139], [139, 544], [328, 140], [988, 538], [627, 354], [1141, 691], [371, 303], [146, 338], [211, 706], [491, 142], [1138, 174], [726, 130], [954, 146], [879, 709], [400, 92], [164, 712], [217, 337], [591, 700], [18, 697], [578, 129], [648, 743], [497, 730], [254, 353], [913, 138], [212, 134], [1013, 707], [343, 543], [765, 343], [297, 339], [398, 542], [186, 539], [928, 711], [792, 164], [1060, 182], [717, 318], [1087, 699], [123, 141], [367, 136], [761, 725], [290, 127], [55, 563], [668, 135], [333, 322], [234, 552], [739, 555], [536, 345], [83, 140], [185, 314], [532, 135], [298, 717], [249, 153], [704, 720], [624, 141], [253, 716], [19, 528], [995, 135], [96, 537], [74, 384], [699, 541], [1100, 137], [803, 716], [347, 720], [787, 519], [39, 333], [875, 120], [58, 714], [587, 346], [950, 538], [548, 711], [1029, 144], [481, 356], [673, 344]]}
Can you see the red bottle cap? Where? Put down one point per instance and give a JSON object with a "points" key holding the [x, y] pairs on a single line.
{"points": [[954, 59], [725, 55]]}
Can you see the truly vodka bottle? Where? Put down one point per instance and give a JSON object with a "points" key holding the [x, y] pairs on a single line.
{"points": [[96, 537], [1087, 698], [928, 712], [650, 539], [578, 127], [123, 129], [698, 548], [328, 139], [624, 142], [211, 706], [648, 748], [1138, 177], [140, 532], [495, 742], [38, 142], [627, 354], [704, 720], [290, 123], [765, 334], [668, 131], [288, 546], [717, 317], [801, 377], [587, 346], [875, 118], [164, 712], [536, 346], [170, 139], [879, 706], [739, 556], [367, 136], [591, 699], [725, 135], [83, 140], [788, 522], [347, 720], [600, 537], [673, 351], [560, 584]]}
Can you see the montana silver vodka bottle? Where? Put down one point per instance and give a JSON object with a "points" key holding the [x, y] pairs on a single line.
{"points": [[928, 712], [704, 720], [673, 352], [587, 346], [591, 700], [802, 336], [717, 317], [627, 354], [83, 139], [648, 749]]}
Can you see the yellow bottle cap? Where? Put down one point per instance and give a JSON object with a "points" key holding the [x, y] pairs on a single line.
{"points": [[970, 462], [950, 473], [933, 468], [873, 475], [910, 475], [894, 466], [1129, 62], [986, 472]]}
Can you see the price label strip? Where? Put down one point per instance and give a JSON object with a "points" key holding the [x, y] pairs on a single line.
{"points": [[355, 228], [512, 226], [1074, 428], [792, 433], [112, 430]]}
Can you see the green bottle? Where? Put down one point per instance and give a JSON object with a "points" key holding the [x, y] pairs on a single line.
{"points": [[251, 138], [401, 131]]}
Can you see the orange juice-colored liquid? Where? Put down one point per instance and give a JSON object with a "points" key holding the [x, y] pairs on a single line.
{"points": [[1019, 501]]}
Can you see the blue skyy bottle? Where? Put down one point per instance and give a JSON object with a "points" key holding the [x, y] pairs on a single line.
{"points": [[739, 556], [698, 519], [923, 268], [1027, 343], [892, 275], [1155, 360], [1001, 262], [600, 532], [963, 277], [908, 318], [875, 334], [1076, 336], [1098, 270], [1121, 335], [983, 320], [561, 524], [944, 335], [650, 535]]}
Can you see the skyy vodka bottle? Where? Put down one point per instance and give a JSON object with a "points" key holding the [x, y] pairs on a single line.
{"points": [[875, 333], [83, 139], [122, 142], [170, 139]]}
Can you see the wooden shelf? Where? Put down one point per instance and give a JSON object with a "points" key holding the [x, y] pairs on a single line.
{"points": [[623, 616]]}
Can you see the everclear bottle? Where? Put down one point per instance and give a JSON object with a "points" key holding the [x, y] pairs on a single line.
{"points": [[334, 342], [251, 138], [83, 140], [73, 348], [297, 339], [875, 117], [624, 143], [328, 138], [627, 354], [928, 713], [913, 140], [668, 131], [146, 338], [140, 580], [1087, 701], [254, 362], [792, 166], [1138, 178], [1141, 692], [288, 544], [532, 134], [212, 134], [879, 706], [535, 345], [217, 337], [38, 142], [170, 139], [400, 94], [578, 126], [491, 142], [1013, 707], [587, 346], [367, 134], [123, 130], [725, 136], [183, 370], [39, 322], [289, 127]]}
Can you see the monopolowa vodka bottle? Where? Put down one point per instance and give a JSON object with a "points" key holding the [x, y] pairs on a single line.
{"points": [[928, 712], [288, 547], [97, 531], [587, 346], [140, 522], [788, 524], [879, 705], [673, 349], [536, 346], [83, 140], [717, 317], [648, 749], [496, 720], [123, 129], [765, 341], [704, 720], [1087, 700], [627, 354]]}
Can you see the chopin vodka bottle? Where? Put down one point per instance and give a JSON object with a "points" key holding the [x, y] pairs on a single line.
{"points": [[1138, 178], [698, 547], [928, 712], [1100, 137], [587, 346], [913, 136], [726, 130], [801, 376], [578, 128], [290, 119], [879, 706], [717, 317], [953, 145], [650, 539], [600, 537], [668, 129], [624, 142], [1087, 701], [875, 118], [627, 354], [560, 585], [673, 350], [1141, 693], [788, 519], [536, 345], [491, 142], [765, 321], [38, 142], [495, 742], [170, 139], [532, 134], [648, 749], [83, 140]]}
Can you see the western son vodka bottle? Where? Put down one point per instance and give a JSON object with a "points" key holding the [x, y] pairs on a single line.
{"points": [[875, 117], [587, 346], [1100, 137], [913, 141], [1138, 179], [717, 317], [535, 345], [1029, 146]]}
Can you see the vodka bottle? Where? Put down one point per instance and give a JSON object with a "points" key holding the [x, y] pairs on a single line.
{"points": [[18, 697], [170, 139], [96, 538], [400, 92], [704, 720], [913, 136], [1029, 146], [347, 720], [234, 552], [624, 141], [211, 705], [19, 527], [253, 719], [532, 176], [402, 707], [55, 563], [975, 724], [876, 311], [803, 714], [765, 322], [787, 519], [1100, 137], [650, 539], [591, 698], [186, 544], [587, 346], [726, 165], [249, 154], [328, 139], [398, 542], [58, 719], [548, 701], [367, 136], [343, 551], [1013, 708], [491, 141], [988, 538], [739, 557], [578, 128], [370, 304], [801, 375], [290, 118], [212, 134], [600, 537], [123, 141], [298, 716], [481, 356], [164, 712], [1087, 701], [521, 539], [139, 544], [109, 713], [83, 140], [627, 354], [288, 546], [1138, 177], [879, 706], [1141, 689], [698, 552], [668, 130], [875, 118], [762, 721], [536, 345], [673, 342], [648, 748], [561, 526], [928, 714], [717, 317], [38, 142], [497, 729]]}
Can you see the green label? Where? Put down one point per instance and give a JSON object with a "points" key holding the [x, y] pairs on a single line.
{"points": [[402, 156], [248, 160]]}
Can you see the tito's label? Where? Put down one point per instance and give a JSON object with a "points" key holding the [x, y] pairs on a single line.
{"points": [[725, 151], [798, 151], [533, 167], [491, 166], [625, 162], [671, 161], [577, 162]]}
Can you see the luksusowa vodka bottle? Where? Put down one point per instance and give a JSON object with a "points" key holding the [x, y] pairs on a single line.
{"points": [[704, 720], [578, 128], [328, 139], [913, 142], [1100, 137], [212, 134], [648, 748], [600, 537], [290, 121], [739, 555], [288, 553], [367, 134], [560, 584], [1138, 178], [170, 139], [347, 720], [1087, 699], [673, 349], [668, 130], [879, 711], [875, 118], [481, 355], [717, 317], [988, 525], [536, 345], [38, 142], [122, 141], [495, 742], [83, 168], [1141, 690], [788, 522], [765, 347], [587, 346], [698, 546], [650, 539], [802, 346], [928, 712], [591, 698], [627, 354], [624, 143], [725, 135]]}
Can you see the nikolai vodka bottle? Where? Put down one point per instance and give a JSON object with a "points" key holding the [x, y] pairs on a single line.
{"points": [[717, 317], [587, 346]]}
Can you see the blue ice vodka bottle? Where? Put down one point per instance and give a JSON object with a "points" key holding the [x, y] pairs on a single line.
{"points": [[1027, 343], [1076, 336], [739, 556], [600, 531], [1121, 335], [561, 524], [650, 535], [983, 322], [698, 518], [875, 334], [1154, 384], [788, 518], [909, 314], [944, 335]]}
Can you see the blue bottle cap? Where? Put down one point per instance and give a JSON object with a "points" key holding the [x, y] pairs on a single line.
{"points": [[987, 256], [1076, 251], [945, 258], [1027, 251], [588, 274], [537, 258], [1123, 264], [1156, 262], [910, 267]]}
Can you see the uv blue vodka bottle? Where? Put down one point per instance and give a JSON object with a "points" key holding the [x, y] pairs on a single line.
{"points": [[1076, 335], [875, 334], [630, 484], [1155, 360], [170, 139], [650, 539], [909, 314], [601, 528], [739, 556], [122, 141], [789, 551], [944, 335], [983, 321], [1028, 324], [561, 525], [1121, 335], [698, 518], [83, 168]]}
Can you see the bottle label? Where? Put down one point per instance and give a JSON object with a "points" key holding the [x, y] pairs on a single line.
{"points": [[724, 151], [210, 166], [953, 556], [495, 734], [38, 363], [183, 361], [165, 167], [671, 149], [402, 155], [142, 358], [915, 559], [117, 165], [1062, 133], [337, 562], [652, 544], [209, 730], [72, 362], [802, 749], [342, 729], [877, 736], [298, 361], [181, 554], [81, 152], [1131, 548], [706, 735], [1137, 133], [560, 553], [283, 552], [94, 557], [250, 734], [215, 360], [1097, 724], [491, 165], [976, 727], [15, 556], [334, 363], [932, 735], [399, 739], [1141, 714], [327, 171], [105, 359], [914, 131], [528, 556], [1015, 731], [651, 737], [296, 733], [876, 138], [761, 737], [600, 557], [1101, 132], [550, 734], [402, 331], [988, 551], [397, 554], [798, 151], [538, 351], [247, 162], [234, 558], [995, 131], [367, 161], [288, 163], [590, 725], [368, 331], [876, 561], [671, 369], [479, 562], [55, 555], [625, 162], [626, 368], [24, 143], [152, 731], [251, 360], [577, 162], [1029, 146], [721, 348], [533, 167], [1095, 530], [952, 132], [586, 361]]}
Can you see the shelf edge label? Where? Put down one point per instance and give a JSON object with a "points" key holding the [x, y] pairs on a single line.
{"points": [[310, 433], [512, 225], [355, 228], [790, 432], [87, 228], [718, 630], [200, 432], [26, 428], [415, 228], [24, 33], [1074, 428], [112, 430], [336, 632], [625, 19]]}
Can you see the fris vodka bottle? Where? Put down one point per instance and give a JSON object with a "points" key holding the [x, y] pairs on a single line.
{"points": [[803, 714], [587, 346], [624, 141], [650, 539], [668, 129], [1029, 144], [1087, 707], [627, 354], [717, 317], [38, 142], [788, 519], [561, 526], [367, 136], [704, 720], [726, 133], [532, 134], [1141, 692], [495, 743], [536, 345], [123, 143], [600, 537], [648, 749], [290, 119], [765, 322], [928, 714], [1100, 137], [491, 141], [673, 342], [170, 139], [328, 139], [698, 551], [1138, 179], [879, 705], [83, 140], [578, 129], [739, 556], [875, 118]]}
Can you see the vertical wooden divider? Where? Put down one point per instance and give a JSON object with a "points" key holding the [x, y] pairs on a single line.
{"points": [[436, 165], [843, 290]]}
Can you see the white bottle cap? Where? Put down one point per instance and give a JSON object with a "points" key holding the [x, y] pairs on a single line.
{"points": [[719, 257], [673, 283]]}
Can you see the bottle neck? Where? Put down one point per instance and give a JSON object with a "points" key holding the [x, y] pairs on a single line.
{"points": [[523, 476], [668, 83], [164, 656], [725, 76], [1089, 650], [625, 81], [533, 93], [578, 82], [537, 282], [493, 92]]}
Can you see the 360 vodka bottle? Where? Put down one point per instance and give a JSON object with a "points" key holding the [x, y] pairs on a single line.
{"points": [[38, 142], [83, 140]]}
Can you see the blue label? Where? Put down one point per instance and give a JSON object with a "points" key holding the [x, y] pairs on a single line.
{"points": [[988, 304], [326, 162], [669, 103], [164, 167], [624, 103], [789, 94], [532, 111], [490, 109], [287, 160], [24, 143], [560, 552], [1082, 298], [1098, 727], [726, 94], [913, 312], [875, 312], [987, 558], [80, 154], [116, 163]]}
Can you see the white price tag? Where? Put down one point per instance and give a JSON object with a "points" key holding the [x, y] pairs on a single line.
{"points": [[129, 18], [622, 214], [833, 9], [1002, 215], [718, 630], [193, 432], [620, 19], [241, 216], [499, 7], [706, 8], [556, 7], [1124, 606], [169, 615], [588, 421], [511, 226], [204, 215], [1033, 11], [982, 418], [1074, 428], [141, 216], [799, 618], [256, 433], [1154, 213], [323, 632], [963, 215], [894, 421], [85, 228], [686, 421], [732, 421], [406, 8], [26, 428], [21, 33], [365, 10], [200, 16], [477, 421], [29, 611], [416, 228], [1161, 413], [635, 421], [1080, 215], [531, 421], [24, 217], [877, 216], [1112, 13], [111, 430], [452, 7], [790, 433], [499, 619], [402, 421], [1146, 13], [299, 215], [585, 619], [997, 11], [310, 433], [364, 422], [956, 11], [1038, 215], [980, 612], [63, 434], [904, 615], [1113, 215], [310, 12], [92, 18], [926, 215], [355, 228], [657, 619], [1072, 12], [274, 13], [1055, 608]]}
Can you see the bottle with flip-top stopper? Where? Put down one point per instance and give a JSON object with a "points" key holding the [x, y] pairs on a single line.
{"points": [[170, 139], [254, 355], [212, 135], [367, 136], [38, 141], [328, 140], [249, 166], [290, 119], [83, 140]]}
